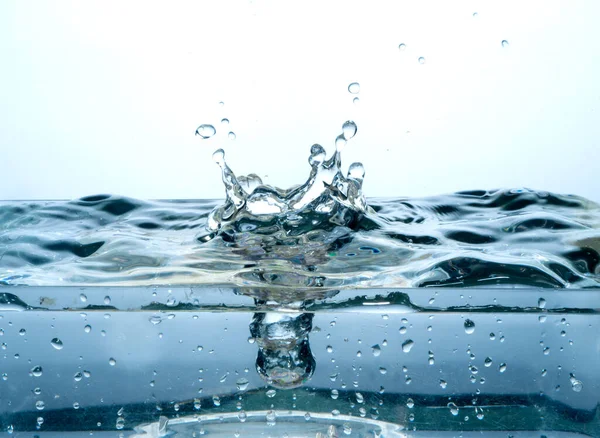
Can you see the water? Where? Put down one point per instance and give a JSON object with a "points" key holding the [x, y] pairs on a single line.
{"points": [[310, 311]]}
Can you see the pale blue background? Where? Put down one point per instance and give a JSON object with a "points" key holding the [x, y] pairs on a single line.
{"points": [[105, 96]]}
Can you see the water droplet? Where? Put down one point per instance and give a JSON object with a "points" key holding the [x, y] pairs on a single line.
{"points": [[576, 385], [443, 384], [359, 398], [56, 343], [37, 371], [242, 416], [225, 121], [502, 367], [407, 345], [469, 326], [75, 405], [329, 349], [231, 135], [83, 298], [107, 300], [504, 43], [271, 393], [40, 405], [402, 47], [541, 303], [356, 101], [488, 361], [349, 129], [410, 403], [475, 14], [219, 157], [340, 142], [453, 408], [354, 88], [78, 376], [383, 370], [421, 60], [206, 131], [112, 362], [335, 394], [87, 328], [22, 332], [479, 413], [376, 350]]}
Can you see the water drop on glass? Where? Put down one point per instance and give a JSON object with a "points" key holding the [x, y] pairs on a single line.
{"points": [[576, 385], [206, 131], [504, 43], [410, 403], [443, 384], [488, 361], [40, 405], [271, 393], [354, 87], [231, 135], [502, 367], [356, 101], [469, 326], [56, 343], [407, 345], [402, 47], [37, 371], [83, 298], [112, 362], [225, 121], [376, 350], [421, 60], [87, 328], [453, 408]]}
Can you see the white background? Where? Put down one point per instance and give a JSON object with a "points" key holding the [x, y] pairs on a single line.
{"points": [[105, 96]]}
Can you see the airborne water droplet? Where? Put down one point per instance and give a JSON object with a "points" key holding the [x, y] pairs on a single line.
{"points": [[206, 131], [57, 343], [349, 129], [354, 88]]}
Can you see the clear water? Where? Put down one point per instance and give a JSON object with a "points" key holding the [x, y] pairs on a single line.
{"points": [[310, 311]]}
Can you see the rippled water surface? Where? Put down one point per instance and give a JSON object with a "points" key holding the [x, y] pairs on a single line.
{"points": [[509, 237]]}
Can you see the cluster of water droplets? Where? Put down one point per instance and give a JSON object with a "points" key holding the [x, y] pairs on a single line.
{"points": [[326, 196]]}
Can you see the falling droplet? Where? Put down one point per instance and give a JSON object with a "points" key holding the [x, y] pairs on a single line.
{"points": [[56, 343], [349, 129], [407, 345], [421, 60], [504, 43], [402, 47], [231, 135], [354, 88], [206, 131], [469, 326]]}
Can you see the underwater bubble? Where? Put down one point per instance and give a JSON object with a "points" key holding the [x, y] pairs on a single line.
{"points": [[349, 129], [407, 345], [469, 326], [421, 60], [56, 343], [504, 43], [231, 135], [206, 131], [354, 88], [402, 47]]}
